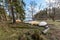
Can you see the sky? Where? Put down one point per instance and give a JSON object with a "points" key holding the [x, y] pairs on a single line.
{"points": [[43, 3], [38, 2]]}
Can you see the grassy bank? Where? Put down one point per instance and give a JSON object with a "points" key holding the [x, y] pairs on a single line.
{"points": [[10, 31], [23, 31]]}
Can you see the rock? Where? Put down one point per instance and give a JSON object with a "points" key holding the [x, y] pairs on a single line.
{"points": [[17, 21], [42, 23], [45, 31], [46, 26], [34, 22]]}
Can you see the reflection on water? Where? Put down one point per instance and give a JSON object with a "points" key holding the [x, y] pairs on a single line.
{"points": [[28, 18]]}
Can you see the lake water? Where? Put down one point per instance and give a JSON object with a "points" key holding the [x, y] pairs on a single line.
{"points": [[28, 18]]}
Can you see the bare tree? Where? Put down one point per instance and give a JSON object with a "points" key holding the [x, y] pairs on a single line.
{"points": [[51, 9], [32, 7]]}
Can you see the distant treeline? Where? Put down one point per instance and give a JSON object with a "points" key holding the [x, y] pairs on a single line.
{"points": [[45, 14]]}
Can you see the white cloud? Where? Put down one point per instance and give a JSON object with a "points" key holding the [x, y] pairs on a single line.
{"points": [[52, 1], [36, 10], [28, 14]]}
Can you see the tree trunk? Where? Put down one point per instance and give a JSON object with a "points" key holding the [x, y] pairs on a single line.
{"points": [[53, 18], [13, 16]]}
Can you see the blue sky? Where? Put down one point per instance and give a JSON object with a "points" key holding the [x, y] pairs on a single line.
{"points": [[43, 2], [39, 2]]}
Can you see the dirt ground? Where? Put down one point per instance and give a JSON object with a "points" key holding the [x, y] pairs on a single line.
{"points": [[54, 33]]}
